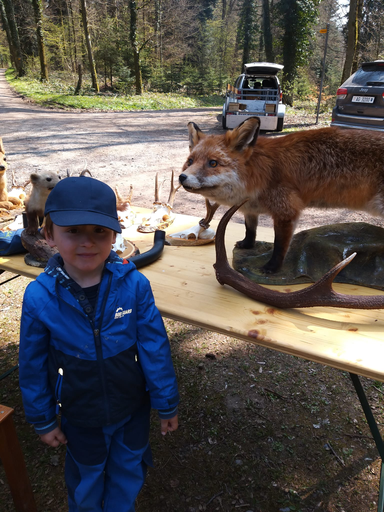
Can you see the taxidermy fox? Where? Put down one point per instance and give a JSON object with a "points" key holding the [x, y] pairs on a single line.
{"points": [[280, 176]]}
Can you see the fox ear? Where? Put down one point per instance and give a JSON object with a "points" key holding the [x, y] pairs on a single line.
{"points": [[195, 135], [245, 135]]}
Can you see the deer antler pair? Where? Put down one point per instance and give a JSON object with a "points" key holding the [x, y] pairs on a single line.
{"points": [[320, 293], [162, 215], [172, 192]]}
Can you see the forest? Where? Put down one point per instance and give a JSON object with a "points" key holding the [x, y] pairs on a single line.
{"points": [[192, 47]]}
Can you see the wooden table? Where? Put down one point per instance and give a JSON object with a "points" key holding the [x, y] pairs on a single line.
{"points": [[185, 289], [13, 461]]}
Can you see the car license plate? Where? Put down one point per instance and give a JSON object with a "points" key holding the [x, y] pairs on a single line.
{"points": [[363, 99]]}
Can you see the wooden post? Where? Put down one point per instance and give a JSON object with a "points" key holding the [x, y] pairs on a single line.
{"points": [[13, 461]]}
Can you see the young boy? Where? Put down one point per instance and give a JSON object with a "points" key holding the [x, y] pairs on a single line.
{"points": [[93, 344]]}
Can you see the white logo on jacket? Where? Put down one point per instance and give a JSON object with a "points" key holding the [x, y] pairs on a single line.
{"points": [[120, 312]]}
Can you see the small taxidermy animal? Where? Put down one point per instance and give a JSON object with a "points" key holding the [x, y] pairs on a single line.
{"points": [[9, 203], [42, 184], [280, 176]]}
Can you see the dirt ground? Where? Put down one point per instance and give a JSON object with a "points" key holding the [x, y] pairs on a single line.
{"points": [[260, 431]]}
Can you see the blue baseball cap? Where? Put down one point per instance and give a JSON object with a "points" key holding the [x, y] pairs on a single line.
{"points": [[77, 201]]}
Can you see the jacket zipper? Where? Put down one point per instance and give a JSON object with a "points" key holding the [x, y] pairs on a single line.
{"points": [[59, 384], [99, 349]]}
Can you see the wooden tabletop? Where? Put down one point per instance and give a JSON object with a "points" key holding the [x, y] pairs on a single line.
{"points": [[185, 289]]}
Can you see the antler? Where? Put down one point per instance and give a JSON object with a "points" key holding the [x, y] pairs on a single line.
{"points": [[157, 188], [122, 203], [84, 171], [320, 293], [173, 191]]}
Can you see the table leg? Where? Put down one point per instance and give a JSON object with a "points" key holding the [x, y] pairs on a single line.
{"points": [[375, 433], [13, 461], [381, 489]]}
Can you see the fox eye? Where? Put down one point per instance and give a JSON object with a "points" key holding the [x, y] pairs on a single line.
{"points": [[213, 163], [4, 159], [190, 161]]}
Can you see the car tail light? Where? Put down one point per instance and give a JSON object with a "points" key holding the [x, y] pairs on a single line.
{"points": [[341, 93], [281, 96]]}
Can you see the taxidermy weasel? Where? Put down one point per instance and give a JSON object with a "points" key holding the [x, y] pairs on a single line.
{"points": [[42, 184]]}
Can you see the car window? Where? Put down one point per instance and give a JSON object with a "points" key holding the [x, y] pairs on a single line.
{"points": [[363, 76], [238, 82], [255, 82]]}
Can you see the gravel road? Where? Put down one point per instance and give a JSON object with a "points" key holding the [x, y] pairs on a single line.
{"points": [[122, 148], [116, 147]]}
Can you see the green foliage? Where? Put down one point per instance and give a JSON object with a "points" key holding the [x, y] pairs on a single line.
{"points": [[297, 18], [248, 31], [303, 88], [60, 94], [125, 82], [4, 56], [194, 47]]}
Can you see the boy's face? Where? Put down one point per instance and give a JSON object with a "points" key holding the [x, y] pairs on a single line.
{"points": [[84, 249]]}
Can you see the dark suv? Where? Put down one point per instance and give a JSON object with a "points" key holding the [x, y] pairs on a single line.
{"points": [[360, 100]]}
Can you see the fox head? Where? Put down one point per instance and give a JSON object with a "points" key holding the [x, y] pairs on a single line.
{"points": [[3, 160], [216, 163]]}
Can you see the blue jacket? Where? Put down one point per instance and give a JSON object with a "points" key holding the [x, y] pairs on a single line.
{"points": [[98, 370]]}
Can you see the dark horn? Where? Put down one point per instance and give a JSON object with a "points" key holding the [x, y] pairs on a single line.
{"points": [[141, 260], [320, 293]]}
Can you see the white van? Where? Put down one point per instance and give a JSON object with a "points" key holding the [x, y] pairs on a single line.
{"points": [[256, 93]]}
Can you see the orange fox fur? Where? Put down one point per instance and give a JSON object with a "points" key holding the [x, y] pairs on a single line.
{"points": [[280, 176]]}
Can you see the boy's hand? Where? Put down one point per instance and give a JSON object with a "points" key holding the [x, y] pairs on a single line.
{"points": [[169, 425], [54, 438]]}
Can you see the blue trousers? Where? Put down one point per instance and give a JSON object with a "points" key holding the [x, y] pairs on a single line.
{"points": [[105, 468]]}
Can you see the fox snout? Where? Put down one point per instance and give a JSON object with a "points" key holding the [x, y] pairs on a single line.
{"points": [[182, 178], [189, 182]]}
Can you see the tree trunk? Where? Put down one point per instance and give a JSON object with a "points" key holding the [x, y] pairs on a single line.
{"points": [[135, 47], [352, 38], [91, 61], [247, 23], [73, 29], [10, 14], [38, 9], [267, 32], [80, 80], [5, 24], [158, 31], [359, 17], [289, 52]]}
